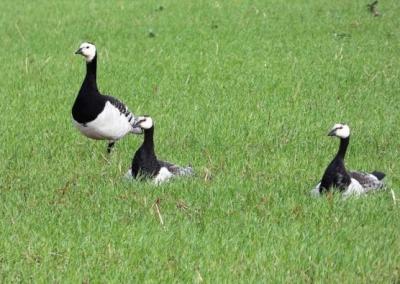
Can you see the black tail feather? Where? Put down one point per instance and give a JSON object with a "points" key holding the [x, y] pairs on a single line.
{"points": [[379, 175]]}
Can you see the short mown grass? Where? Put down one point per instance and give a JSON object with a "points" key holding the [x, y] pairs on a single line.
{"points": [[245, 91]]}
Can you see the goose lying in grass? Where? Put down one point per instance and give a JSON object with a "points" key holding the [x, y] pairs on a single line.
{"points": [[145, 163], [347, 182]]}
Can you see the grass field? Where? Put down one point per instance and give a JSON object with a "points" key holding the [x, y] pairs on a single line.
{"points": [[244, 90]]}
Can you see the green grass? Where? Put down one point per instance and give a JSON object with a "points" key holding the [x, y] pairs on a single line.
{"points": [[244, 90]]}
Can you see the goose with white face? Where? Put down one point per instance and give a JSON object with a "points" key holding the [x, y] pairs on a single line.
{"points": [[144, 122], [87, 50], [340, 130]]}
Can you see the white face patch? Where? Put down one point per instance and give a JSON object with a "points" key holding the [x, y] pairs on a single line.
{"points": [[147, 122], [341, 130], [88, 50]]}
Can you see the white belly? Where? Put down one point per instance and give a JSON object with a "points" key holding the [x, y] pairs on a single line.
{"points": [[163, 176], [110, 124], [354, 189]]}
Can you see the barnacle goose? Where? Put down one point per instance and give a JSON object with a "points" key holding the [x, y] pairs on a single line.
{"points": [[145, 163], [95, 115], [347, 182]]}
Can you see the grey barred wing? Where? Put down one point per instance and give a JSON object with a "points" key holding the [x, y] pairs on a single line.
{"points": [[119, 105], [166, 164], [368, 181], [177, 170], [123, 109]]}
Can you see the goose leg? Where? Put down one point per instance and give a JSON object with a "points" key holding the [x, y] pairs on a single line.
{"points": [[110, 146]]}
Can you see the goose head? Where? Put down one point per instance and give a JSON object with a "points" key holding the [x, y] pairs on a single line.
{"points": [[340, 130], [144, 122], [87, 50]]}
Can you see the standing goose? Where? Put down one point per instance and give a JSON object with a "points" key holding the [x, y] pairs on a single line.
{"points": [[348, 182], [145, 163], [98, 116]]}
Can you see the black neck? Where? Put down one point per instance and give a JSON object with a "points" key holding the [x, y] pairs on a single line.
{"points": [[148, 138], [91, 70], [344, 142], [91, 67]]}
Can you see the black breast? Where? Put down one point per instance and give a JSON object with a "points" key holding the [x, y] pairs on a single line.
{"points": [[88, 105], [335, 176], [145, 164]]}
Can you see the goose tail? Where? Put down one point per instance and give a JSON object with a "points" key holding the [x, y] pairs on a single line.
{"points": [[379, 175], [184, 171]]}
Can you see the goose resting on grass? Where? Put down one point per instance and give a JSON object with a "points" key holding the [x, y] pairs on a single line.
{"points": [[95, 115], [347, 182], [145, 163]]}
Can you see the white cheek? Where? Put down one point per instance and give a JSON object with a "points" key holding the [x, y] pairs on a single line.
{"points": [[89, 57], [89, 54], [147, 124], [343, 133]]}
